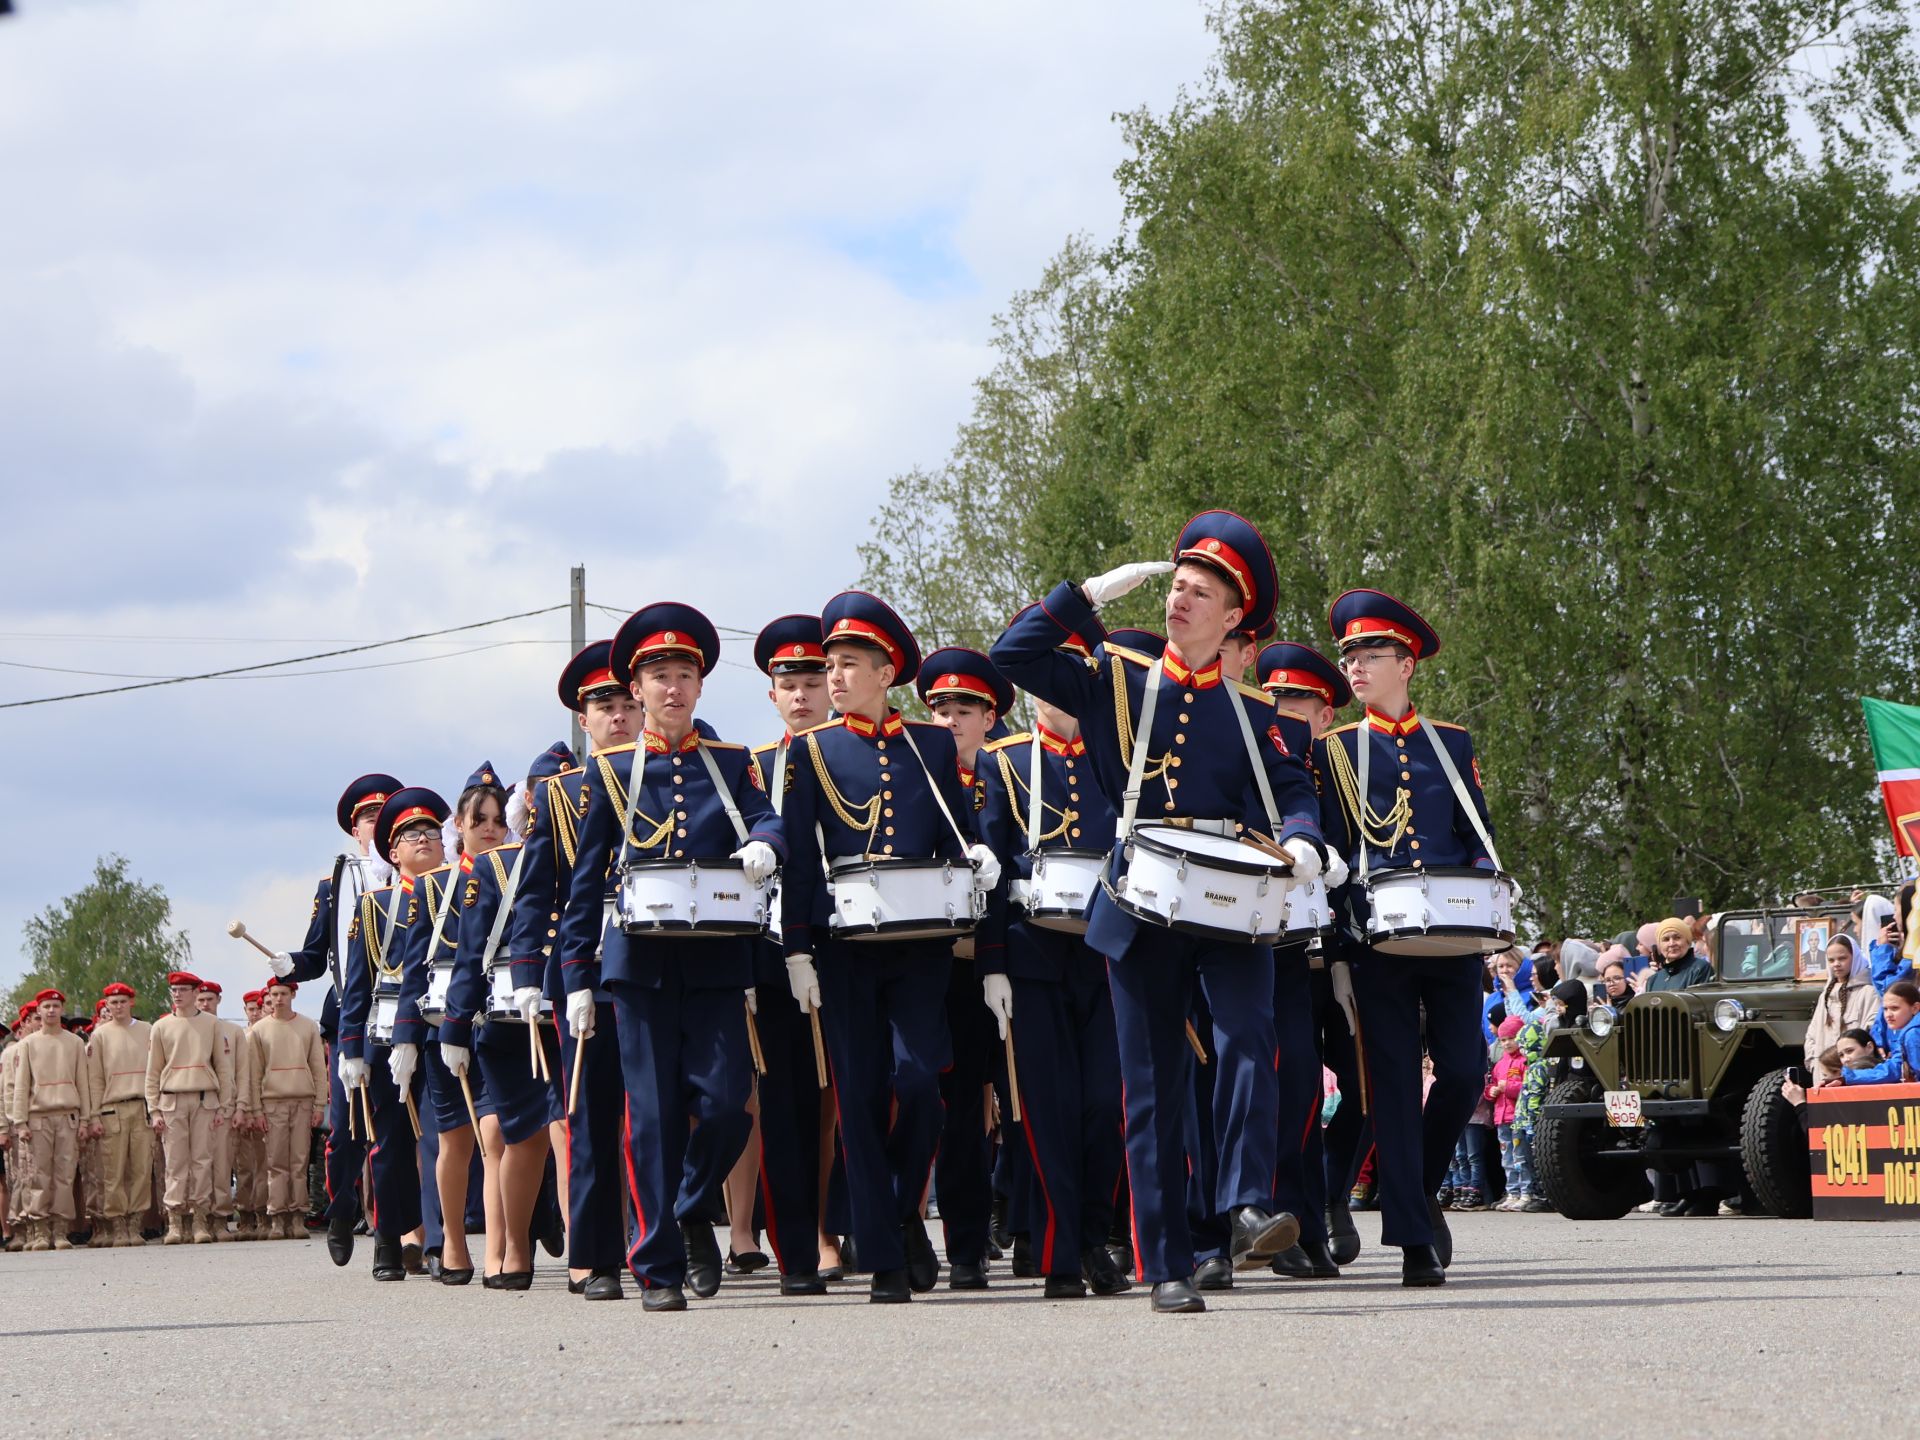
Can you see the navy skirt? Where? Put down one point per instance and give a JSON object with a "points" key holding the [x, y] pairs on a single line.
{"points": [[523, 1105]]}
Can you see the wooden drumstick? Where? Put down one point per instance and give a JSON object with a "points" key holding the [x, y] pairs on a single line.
{"points": [[466, 1093], [819, 1047], [579, 1064], [413, 1113], [753, 1045], [238, 930], [1013, 1075], [1193, 1039], [534, 1057], [351, 1118], [366, 1105]]}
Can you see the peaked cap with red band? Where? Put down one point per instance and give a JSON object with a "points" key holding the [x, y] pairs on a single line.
{"points": [[587, 674], [367, 790], [1289, 668], [403, 807], [856, 615], [1362, 617], [664, 630], [556, 759], [788, 645], [955, 672], [1234, 549]]}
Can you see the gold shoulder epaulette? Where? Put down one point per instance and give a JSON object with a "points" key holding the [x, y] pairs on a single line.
{"points": [[614, 749], [1132, 655], [835, 723], [1340, 729], [1445, 725], [722, 745], [1006, 742], [766, 749], [1253, 692]]}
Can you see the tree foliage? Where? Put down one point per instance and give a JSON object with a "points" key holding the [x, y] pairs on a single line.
{"points": [[1589, 329], [113, 928]]}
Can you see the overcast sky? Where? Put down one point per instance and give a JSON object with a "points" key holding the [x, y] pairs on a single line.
{"points": [[327, 323]]}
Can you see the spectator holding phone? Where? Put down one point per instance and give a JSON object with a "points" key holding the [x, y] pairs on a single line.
{"points": [[1879, 931], [1848, 1001], [1616, 989]]}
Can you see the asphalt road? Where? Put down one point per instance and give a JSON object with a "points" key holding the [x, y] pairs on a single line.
{"points": [[1677, 1327]]}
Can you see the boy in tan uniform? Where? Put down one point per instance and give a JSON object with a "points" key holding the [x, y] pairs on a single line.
{"points": [[250, 1146], [289, 1067], [25, 1024], [51, 1107], [117, 1057], [189, 1096], [225, 1140]]}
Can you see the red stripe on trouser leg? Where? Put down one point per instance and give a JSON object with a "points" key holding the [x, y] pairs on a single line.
{"points": [[633, 1190], [1046, 1196]]}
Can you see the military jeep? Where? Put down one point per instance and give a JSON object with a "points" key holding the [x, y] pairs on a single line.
{"points": [[1676, 1079]]}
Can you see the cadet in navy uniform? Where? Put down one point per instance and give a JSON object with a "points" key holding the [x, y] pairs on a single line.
{"points": [[1197, 771], [874, 786], [1312, 1169], [968, 697], [1411, 819], [788, 650], [1064, 1043], [519, 1106], [679, 999], [323, 949], [596, 1216], [389, 931]]}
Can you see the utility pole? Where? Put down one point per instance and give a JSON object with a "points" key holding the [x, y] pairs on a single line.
{"points": [[577, 599]]}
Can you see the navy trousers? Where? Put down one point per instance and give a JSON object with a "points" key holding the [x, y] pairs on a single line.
{"points": [[884, 1007], [684, 1055], [1207, 1226], [346, 1149], [1331, 1154], [1296, 1189], [1414, 1145], [1069, 1060], [963, 1168], [596, 1220], [396, 1168], [789, 1122], [1153, 988]]}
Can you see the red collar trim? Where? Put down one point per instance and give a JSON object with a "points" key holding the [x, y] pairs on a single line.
{"points": [[466, 863], [657, 743], [867, 729], [1057, 746], [406, 884], [966, 777], [1176, 670], [1404, 726]]}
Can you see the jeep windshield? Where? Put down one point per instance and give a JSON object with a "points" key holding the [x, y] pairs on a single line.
{"points": [[1758, 945]]}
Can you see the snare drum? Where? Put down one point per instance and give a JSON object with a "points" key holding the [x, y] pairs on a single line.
{"points": [[1307, 913], [1442, 910], [1203, 884], [690, 897], [433, 1005], [500, 1007], [380, 1020], [1061, 887], [904, 899]]}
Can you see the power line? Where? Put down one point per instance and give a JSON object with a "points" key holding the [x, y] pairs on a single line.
{"points": [[277, 664], [333, 670]]}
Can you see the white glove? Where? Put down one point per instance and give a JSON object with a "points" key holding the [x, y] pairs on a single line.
{"points": [[1117, 582], [986, 866], [1306, 860], [353, 1073], [758, 858], [580, 1013], [457, 1058], [997, 990], [280, 963], [401, 1064], [753, 1000], [803, 981], [1341, 976], [526, 999], [1337, 872]]}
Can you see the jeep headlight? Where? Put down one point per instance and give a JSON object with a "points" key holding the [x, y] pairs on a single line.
{"points": [[1600, 1021], [1727, 1014]]}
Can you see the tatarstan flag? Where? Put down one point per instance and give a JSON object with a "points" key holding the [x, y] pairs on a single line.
{"points": [[1895, 733]]}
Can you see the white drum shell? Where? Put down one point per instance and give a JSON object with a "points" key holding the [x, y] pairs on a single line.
{"points": [[433, 1005], [381, 1018], [1204, 884], [1451, 910], [500, 1007], [1307, 911], [1060, 889], [904, 899], [710, 897]]}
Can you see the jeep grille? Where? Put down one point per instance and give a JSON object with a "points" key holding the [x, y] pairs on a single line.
{"points": [[1656, 1045]]}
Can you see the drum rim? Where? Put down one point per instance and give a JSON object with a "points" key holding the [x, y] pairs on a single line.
{"points": [[849, 865], [654, 866], [1445, 872], [1070, 852], [891, 928], [1233, 865], [1188, 927], [746, 929]]}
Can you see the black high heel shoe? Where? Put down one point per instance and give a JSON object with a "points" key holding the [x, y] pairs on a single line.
{"points": [[509, 1280]]}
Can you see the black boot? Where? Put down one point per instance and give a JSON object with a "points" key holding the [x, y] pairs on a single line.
{"points": [[604, 1285], [1023, 1266], [808, 1284], [1214, 1274], [1177, 1297], [923, 1267], [962, 1276], [1420, 1267], [1258, 1236], [1343, 1241], [1442, 1236], [1096, 1264], [703, 1257], [1065, 1287], [340, 1239], [387, 1264], [1308, 1260], [890, 1287], [663, 1297]]}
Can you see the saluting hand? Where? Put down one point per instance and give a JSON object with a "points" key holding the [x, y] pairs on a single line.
{"points": [[1101, 589]]}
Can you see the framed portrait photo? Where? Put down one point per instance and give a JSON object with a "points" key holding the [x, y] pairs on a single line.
{"points": [[1811, 936]]}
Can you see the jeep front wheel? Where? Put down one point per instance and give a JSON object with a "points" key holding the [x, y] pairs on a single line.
{"points": [[1773, 1147], [1566, 1159]]}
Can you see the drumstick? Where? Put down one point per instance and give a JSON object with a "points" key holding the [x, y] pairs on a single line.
{"points": [[466, 1092], [1266, 847], [819, 1047], [350, 1117], [1013, 1075], [579, 1060], [366, 1105], [753, 1045], [238, 930], [533, 1043], [413, 1115], [1193, 1039]]}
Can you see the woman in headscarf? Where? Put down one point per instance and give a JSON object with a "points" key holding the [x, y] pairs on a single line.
{"points": [[1848, 1001]]}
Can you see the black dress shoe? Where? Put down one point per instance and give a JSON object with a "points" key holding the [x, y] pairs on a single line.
{"points": [[834, 1272], [1065, 1287], [962, 1276], [1343, 1240], [746, 1262], [1308, 1260], [454, 1277], [1177, 1297], [923, 1266], [1023, 1266], [999, 1237], [433, 1266], [414, 1258], [1258, 1236], [511, 1280], [850, 1256], [703, 1257], [802, 1285], [553, 1234], [604, 1285], [1214, 1274], [1442, 1236], [1122, 1257], [890, 1287], [387, 1263], [1097, 1267], [1420, 1267], [663, 1297], [340, 1239]]}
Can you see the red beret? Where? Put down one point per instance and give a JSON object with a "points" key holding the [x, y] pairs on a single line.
{"points": [[183, 977], [255, 996], [292, 987], [28, 1009], [118, 987], [49, 994], [212, 985]]}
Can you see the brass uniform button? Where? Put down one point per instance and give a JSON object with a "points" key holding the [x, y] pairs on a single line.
{"points": [[886, 794], [888, 812], [1169, 804], [1076, 832], [1413, 844], [1073, 795], [1406, 775], [1180, 739], [1175, 762], [681, 833], [1183, 717], [889, 830], [886, 849]]}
